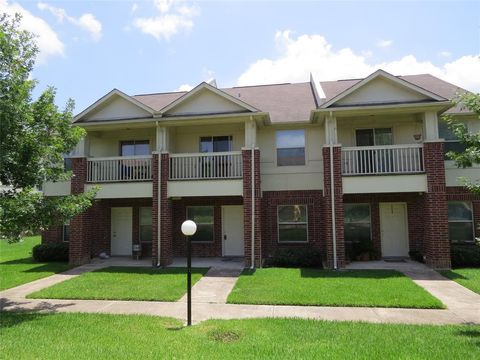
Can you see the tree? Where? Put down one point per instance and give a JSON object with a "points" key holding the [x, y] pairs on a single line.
{"points": [[34, 136], [471, 155]]}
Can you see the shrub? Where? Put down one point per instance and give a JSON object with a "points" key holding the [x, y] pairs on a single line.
{"points": [[465, 256], [295, 257], [50, 252], [416, 256]]}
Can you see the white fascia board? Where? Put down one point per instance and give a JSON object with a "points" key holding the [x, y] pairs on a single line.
{"points": [[108, 96], [384, 74]]}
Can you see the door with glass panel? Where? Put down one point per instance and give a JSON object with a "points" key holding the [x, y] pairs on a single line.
{"points": [[372, 161], [133, 168], [215, 166]]}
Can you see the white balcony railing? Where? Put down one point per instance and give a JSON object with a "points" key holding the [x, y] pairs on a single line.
{"points": [[379, 160], [120, 168], [219, 165]]}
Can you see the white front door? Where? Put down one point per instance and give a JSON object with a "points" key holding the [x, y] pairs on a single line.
{"points": [[121, 231], [394, 229], [232, 230]]}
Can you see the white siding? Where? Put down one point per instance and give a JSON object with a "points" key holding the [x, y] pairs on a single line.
{"points": [[107, 143]]}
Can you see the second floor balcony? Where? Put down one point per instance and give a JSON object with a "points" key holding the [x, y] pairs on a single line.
{"points": [[382, 160]]}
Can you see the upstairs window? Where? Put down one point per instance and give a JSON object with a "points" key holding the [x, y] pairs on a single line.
{"points": [[134, 148], [290, 147], [451, 142], [374, 137], [460, 221], [215, 144]]}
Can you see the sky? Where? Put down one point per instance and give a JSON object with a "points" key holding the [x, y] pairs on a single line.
{"points": [[87, 48]]}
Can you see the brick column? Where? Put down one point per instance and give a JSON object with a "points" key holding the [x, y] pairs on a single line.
{"points": [[166, 237], [79, 240], [436, 242], [338, 201], [247, 207]]}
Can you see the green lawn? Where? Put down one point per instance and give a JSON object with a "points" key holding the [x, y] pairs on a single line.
{"points": [[470, 278], [378, 288], [124, 283], [17, 266], [100, 336]]}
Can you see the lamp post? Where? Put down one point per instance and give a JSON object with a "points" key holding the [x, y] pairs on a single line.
{"points": [[188, 229]]}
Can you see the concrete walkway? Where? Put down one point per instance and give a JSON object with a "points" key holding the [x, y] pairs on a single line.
{"points": [[210, 293]]}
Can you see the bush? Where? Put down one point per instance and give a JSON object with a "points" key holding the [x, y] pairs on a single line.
{"points": [[465, 255], [416, 256], [295, 257], [50, 252]]}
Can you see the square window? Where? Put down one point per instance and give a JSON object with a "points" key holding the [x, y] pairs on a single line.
{"points": [[203, 217], [292, 223], [460, 221], [290, 147]]}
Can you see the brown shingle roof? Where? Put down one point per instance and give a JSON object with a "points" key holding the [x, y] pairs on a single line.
{"points": [[284, 102]]}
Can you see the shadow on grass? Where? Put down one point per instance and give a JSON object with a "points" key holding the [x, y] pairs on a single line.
{"points": [[452, 275], [357, 274], [23, 261], [149, 270], [472, 334]]}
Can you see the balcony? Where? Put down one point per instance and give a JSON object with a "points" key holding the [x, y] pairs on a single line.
{"points": [[206, 166], [119, 169], [382, 160]]}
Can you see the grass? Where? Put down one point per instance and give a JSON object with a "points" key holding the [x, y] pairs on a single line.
{"points": [[101, 336], [374, 288], [123, 283], [469, 277], [17, 266]]}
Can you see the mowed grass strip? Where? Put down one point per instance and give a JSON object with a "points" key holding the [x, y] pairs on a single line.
{"points": [[372, 288], [102, 336], [468, 277], [17, 266], [124, 283]]}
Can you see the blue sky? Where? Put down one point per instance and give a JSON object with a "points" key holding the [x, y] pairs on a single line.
{"points": [[89, 47]]}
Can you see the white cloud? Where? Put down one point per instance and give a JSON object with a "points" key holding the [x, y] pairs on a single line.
{"points": [[445, 54], [47, 39], [313, 54], [185, 87], [174, 16], [87, 21], [134, 7], [385, 43]]}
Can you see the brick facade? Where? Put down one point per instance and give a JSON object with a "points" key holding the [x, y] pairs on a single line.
{"points": [[338, 203], [437, 244], [313, 199], [54, 235], [247, 207]]}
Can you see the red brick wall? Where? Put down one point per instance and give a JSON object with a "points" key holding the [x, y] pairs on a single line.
{"points": [[247, 207], [54, 235], [214, 248], [327, 209], [437, 245], [272, 199], [155, 182]]}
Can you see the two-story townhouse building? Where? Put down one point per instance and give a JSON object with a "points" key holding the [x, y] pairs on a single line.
{"points": [[260, 168]]}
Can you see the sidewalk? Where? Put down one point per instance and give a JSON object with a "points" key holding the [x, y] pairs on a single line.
{"points": [[210, 294]]}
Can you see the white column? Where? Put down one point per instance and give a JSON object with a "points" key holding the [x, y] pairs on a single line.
{"points": [[430, 126], [331, 129], [162, 139], [250, 134]]}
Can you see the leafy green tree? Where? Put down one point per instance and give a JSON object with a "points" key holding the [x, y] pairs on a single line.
{"points": [[34, 136], [471, 140]]}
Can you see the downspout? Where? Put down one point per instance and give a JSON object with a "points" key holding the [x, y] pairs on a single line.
{"points": [[252, 265], [332, 195], [159, 193]]}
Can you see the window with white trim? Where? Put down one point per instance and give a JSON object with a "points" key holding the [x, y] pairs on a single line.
{"points": [[290, 147], [203, 217], [292, 223], [451, 143], [460, 221], [357, 222], [134, 147]]}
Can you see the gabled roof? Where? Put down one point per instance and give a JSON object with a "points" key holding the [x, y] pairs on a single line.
{"points": [[345, 88], [104, 99], [206, 87]]}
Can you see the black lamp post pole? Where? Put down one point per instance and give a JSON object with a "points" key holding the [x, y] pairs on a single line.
{"points": [[189, 283]]}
